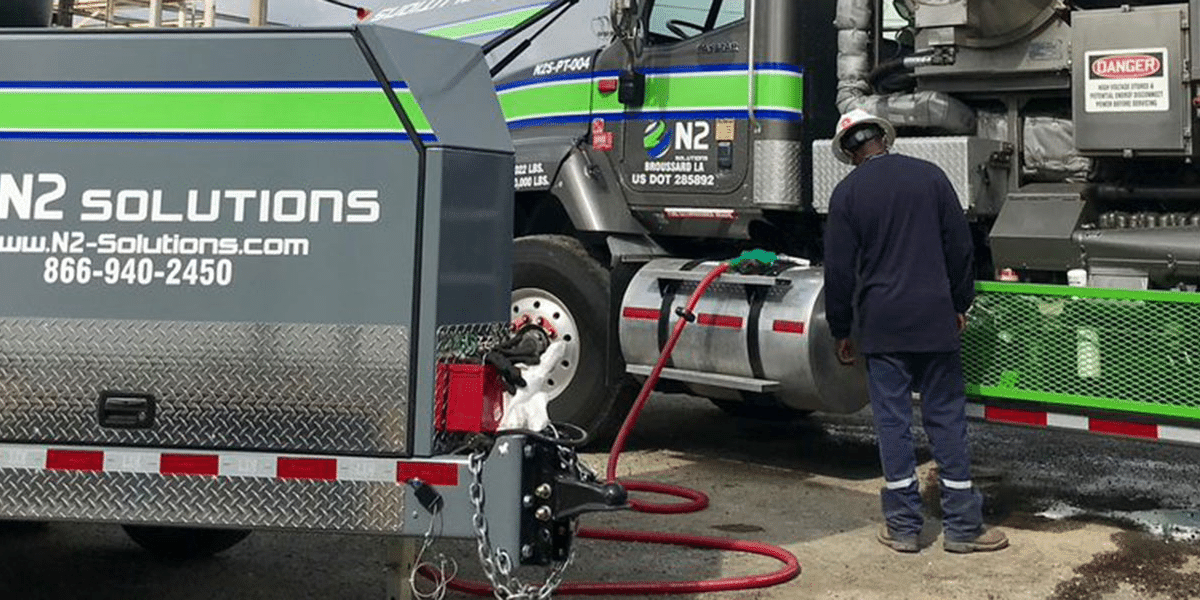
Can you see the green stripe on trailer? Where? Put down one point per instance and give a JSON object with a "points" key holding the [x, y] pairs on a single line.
{"points": [[1065, 291], [1128, 351], [162, 110]]}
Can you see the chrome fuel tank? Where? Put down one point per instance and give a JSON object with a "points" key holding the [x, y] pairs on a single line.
{"points": [[761, 333]]}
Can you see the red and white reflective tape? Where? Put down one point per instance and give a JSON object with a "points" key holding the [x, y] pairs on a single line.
{"points": [[1106, 426], [782, 326], [725, 321], [227, 464], [705, 319]]}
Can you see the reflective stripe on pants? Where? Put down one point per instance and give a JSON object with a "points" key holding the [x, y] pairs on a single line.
{"points": [[938, 376]]}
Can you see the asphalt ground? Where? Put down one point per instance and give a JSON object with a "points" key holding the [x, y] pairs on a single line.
{"points": [[1089, 517]]}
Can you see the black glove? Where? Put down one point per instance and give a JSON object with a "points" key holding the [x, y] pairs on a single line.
{"points": [[524, 348], [509, 372]]}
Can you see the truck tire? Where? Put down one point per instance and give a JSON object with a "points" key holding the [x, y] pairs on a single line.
{"points": [[556, 280], [183, 543]]}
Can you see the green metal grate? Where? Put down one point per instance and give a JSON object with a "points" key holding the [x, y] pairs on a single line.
{"points": [[1129, 351]]}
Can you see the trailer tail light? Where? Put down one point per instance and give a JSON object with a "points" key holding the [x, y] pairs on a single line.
{"points": [[470, 398], [608, 85]]}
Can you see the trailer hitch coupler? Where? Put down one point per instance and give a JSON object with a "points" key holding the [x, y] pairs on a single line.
{"points": [[574, 497]]}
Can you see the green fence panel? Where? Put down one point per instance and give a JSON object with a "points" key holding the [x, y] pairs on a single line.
{"points": [[1112, 350]]}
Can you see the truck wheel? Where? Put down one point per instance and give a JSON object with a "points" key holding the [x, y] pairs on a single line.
{"points": [[182, 543], [556, 283]]}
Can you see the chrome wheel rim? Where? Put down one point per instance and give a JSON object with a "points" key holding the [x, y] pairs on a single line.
{"points": [[545, 310]]}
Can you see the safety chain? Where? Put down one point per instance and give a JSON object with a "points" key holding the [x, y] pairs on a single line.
{"points": [[497, 564]]}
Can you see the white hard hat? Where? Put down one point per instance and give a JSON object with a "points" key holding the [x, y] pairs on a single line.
{"points": [[854, 119]]}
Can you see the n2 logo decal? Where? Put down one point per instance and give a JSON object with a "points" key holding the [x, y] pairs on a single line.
{"points": [[658, 139], [692, 135]]}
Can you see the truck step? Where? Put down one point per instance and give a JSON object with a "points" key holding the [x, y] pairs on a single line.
{"points": [[733, 382], [732, 278]]}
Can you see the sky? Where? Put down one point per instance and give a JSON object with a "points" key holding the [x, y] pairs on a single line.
{"points": [[293, 11]]}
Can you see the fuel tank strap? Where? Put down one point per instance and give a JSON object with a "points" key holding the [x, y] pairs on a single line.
{"points": [[668, 289], [756, 296]]}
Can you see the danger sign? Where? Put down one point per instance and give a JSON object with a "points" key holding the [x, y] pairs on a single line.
{"points": [[1127, 81]]}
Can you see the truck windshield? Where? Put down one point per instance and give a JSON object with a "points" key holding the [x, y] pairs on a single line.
{"points": [[675, 20]]}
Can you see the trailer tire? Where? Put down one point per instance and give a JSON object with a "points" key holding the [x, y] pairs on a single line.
{"points": [[556, 270], [183, 543]]}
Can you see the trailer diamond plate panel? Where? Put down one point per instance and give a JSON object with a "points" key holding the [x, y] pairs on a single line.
{"points": [[326, 388], [344, 506]]}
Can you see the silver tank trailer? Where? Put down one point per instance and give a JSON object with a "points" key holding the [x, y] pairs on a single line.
{"points": [[25, 13], [790, 337]]}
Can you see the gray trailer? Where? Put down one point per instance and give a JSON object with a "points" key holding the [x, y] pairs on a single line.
{"points": [[249, 280]]}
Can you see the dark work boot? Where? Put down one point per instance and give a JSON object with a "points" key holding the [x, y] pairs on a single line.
{"points": [[899, 543], [987, 541]]}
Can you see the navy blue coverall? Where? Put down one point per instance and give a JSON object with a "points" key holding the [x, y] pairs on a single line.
{"points": [[898, 269]]}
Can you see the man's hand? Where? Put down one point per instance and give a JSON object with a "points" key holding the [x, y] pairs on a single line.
{"points": [[845, 351], [962, 322]]}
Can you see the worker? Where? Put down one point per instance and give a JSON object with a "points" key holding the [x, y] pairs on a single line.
{"points": [[898, 279]]}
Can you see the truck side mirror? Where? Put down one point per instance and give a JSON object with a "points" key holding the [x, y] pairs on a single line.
{"points": [[625, 16], [632, 90]]}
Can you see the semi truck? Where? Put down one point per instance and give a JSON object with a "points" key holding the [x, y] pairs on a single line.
{"points": [[654, 137]]}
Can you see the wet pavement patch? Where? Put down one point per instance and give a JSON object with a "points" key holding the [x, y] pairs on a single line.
{"points": [[1028, 522], [1151, 565]]}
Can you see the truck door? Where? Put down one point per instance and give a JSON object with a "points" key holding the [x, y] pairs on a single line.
{"points": [[688, 144]]}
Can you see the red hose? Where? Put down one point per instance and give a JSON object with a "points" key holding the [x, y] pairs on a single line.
{"points": [[697, 501]]}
